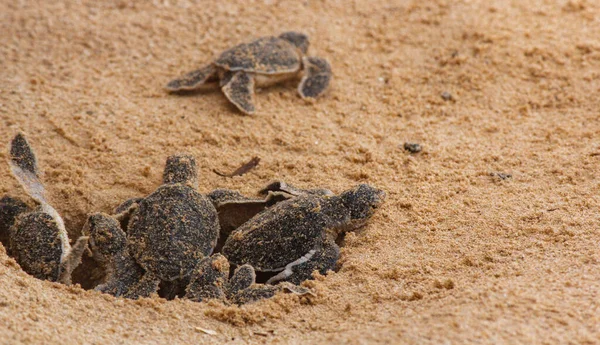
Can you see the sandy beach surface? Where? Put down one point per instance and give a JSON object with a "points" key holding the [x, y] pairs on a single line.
{"points": [[489, 235]]}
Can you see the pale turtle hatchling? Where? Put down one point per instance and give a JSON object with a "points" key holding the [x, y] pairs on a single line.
{"points": [[265, 61], [38, 239], [294, 237]]}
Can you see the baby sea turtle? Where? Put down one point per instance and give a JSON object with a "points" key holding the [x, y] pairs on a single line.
{"points": [[175, 226], [297, 236], [124, 277], [168, 233], [38, 239], [265, 61]]}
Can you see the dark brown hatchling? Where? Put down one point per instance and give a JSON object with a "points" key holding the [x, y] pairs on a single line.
{"points": [[174, 227], [38, 239], [294, 237], [265, 61], [167, 234], [124, 277]]}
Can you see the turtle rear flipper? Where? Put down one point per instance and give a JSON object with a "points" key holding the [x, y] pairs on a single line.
{"points": [[200, 79], [317, 75], [238, 87]]}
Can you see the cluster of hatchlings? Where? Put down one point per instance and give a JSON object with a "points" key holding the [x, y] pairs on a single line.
{"points": [[171, 237]]}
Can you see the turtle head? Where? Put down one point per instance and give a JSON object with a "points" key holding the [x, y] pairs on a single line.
{"points": [[105, 235], [297, 39], [181, 168], [362, 201]]}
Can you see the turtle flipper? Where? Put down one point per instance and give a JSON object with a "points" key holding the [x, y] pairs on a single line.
{"points": [[144, 288], [278, 191], [72, 260], [317, 75], [323, 258], [254, 293], [24, 167], [208, 279], [203, 78], [243, 277], [238, 87], [280, 186]]}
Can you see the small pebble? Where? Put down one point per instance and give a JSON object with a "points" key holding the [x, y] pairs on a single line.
{"points": [[413, 147], [502, 176], [447, 96]]}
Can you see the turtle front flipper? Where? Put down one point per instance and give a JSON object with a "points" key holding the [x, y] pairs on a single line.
{"points": [[242, 287], [278, 191], [144, 288], [322, 258], [208, 279], [243, 277], [238, 87], [317, 75], [254, 293], [200, 79], [72, 260]]}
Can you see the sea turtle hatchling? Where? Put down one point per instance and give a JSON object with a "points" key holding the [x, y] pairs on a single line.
{"points": [[175, 226], [124, 277], [38, 239], [168, 233], [294, 237], [265, 61]]}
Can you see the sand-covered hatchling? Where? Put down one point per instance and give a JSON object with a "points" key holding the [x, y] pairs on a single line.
{"points": [[265, 61], [294, 237], [38, 239], [124, 276], [169, 231]]}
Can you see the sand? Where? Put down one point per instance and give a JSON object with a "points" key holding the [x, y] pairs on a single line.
{"points": [[457, 254]]}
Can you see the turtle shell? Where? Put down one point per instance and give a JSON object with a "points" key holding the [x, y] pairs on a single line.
{"points": [[36, 244], [173, 229], [266, 55], [285, 232]]}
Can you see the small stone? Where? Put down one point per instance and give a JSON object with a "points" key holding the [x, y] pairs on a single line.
{"points": [[447, 96], [501, 175], [413, 147]]}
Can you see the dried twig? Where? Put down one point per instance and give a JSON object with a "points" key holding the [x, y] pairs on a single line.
{"points": [[241, 170]]}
